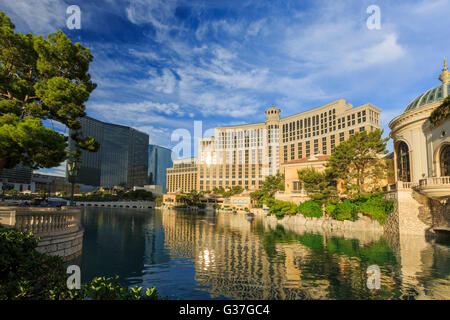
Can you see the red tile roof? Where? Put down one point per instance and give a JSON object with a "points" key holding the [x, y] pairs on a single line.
{"points": [[315, 158]]}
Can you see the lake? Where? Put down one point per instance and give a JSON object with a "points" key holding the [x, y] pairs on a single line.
{"points": [[227, 256]]}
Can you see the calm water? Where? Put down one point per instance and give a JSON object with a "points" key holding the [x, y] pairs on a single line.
{"points": [[225, 256]]}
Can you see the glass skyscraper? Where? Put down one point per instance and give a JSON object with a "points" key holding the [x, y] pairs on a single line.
{"points": [[120, 161], [18, 178], [159, 159]]}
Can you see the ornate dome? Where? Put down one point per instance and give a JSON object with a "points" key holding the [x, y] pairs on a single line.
{"points": [[436, 94]]}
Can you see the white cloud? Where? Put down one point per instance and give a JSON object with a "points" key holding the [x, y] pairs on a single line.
{"points": [[164, 82], [150, 55], [36, 15]]}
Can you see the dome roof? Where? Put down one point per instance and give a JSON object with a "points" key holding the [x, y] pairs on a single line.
{"points": [[435, 94], [432, 95]]}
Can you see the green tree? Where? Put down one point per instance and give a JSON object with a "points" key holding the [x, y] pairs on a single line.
{"points": [[193, 197], [41, 79], [441, 113], [159, 200], [234, 190], [272, 184], [319, 186], [258, 196], [360, 158]]}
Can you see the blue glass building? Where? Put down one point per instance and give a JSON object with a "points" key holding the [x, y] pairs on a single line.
{"points": [[159, 159], [122, 159]]}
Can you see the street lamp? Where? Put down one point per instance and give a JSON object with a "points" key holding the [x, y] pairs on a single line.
{"points": [[73, 167]]}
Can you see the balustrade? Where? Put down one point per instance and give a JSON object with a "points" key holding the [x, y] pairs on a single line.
{"points": [[51, 222]]}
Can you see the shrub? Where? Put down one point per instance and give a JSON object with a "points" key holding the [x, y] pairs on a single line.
{"points": [[310, 209], [280, 208], [28, 274], [330, 207], [345, 210], [377, 208]]}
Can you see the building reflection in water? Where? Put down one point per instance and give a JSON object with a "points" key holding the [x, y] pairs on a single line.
{"points": [[239, 259], [201, 256]]}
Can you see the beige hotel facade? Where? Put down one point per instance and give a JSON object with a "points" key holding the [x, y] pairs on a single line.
{"points": [[244, 155]]}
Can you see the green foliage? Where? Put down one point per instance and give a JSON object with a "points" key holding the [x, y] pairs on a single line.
{"points": [[280, 208], [159, 200], [311, 209], [319, 186], [27, 274], [273, 184], [41, 79], [358, 159], [377, 208], [269, 187], [227, 193], [441, 113], [346, 210], [329, 209], [191, 198], [258, 196], [131, 195]]}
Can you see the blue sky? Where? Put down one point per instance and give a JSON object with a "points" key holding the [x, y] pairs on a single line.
{"points": [[161, 64]]}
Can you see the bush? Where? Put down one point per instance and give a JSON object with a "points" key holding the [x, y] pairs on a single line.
{"points": [[377, 208], [330, 207], [310, 209], [27, 274], [280, 208], [345, 210]]}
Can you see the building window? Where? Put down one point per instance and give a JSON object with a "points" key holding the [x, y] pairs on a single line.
{"points": [[445, 161], [297, 186], [403, 165]]}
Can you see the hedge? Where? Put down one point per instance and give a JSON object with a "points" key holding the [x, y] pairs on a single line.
{"points": [[310, 209]]}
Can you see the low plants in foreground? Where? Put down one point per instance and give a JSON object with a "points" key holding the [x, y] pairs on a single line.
{"points": [[26, 274]]}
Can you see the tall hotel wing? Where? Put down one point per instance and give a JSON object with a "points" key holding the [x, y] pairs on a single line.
{"points": [[243, 155]]}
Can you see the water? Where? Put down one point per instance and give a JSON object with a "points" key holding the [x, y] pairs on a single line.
{"points": [[226, 256]]}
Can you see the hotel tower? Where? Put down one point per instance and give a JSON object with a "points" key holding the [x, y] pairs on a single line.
{"points": [[244, 155]]}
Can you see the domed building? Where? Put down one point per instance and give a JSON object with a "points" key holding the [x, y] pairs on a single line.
{"points": [[421, 150], [422, 165]]}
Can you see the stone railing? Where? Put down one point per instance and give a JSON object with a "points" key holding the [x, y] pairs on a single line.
{"points": [[399, 185], [434, 181], [41, 221]]}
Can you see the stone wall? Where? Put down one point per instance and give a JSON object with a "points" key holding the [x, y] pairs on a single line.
{"points": [[117, 204], [59, 229], [68, 246], [364, 228], [416, 214]]}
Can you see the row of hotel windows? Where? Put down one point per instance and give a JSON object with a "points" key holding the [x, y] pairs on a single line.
{"points": [[237, 139], [316, 146], [300, 129], [205, 185], [289, 129]]}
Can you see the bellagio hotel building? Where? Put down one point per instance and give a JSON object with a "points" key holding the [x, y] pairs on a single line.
{"points": [[244, 155]]}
